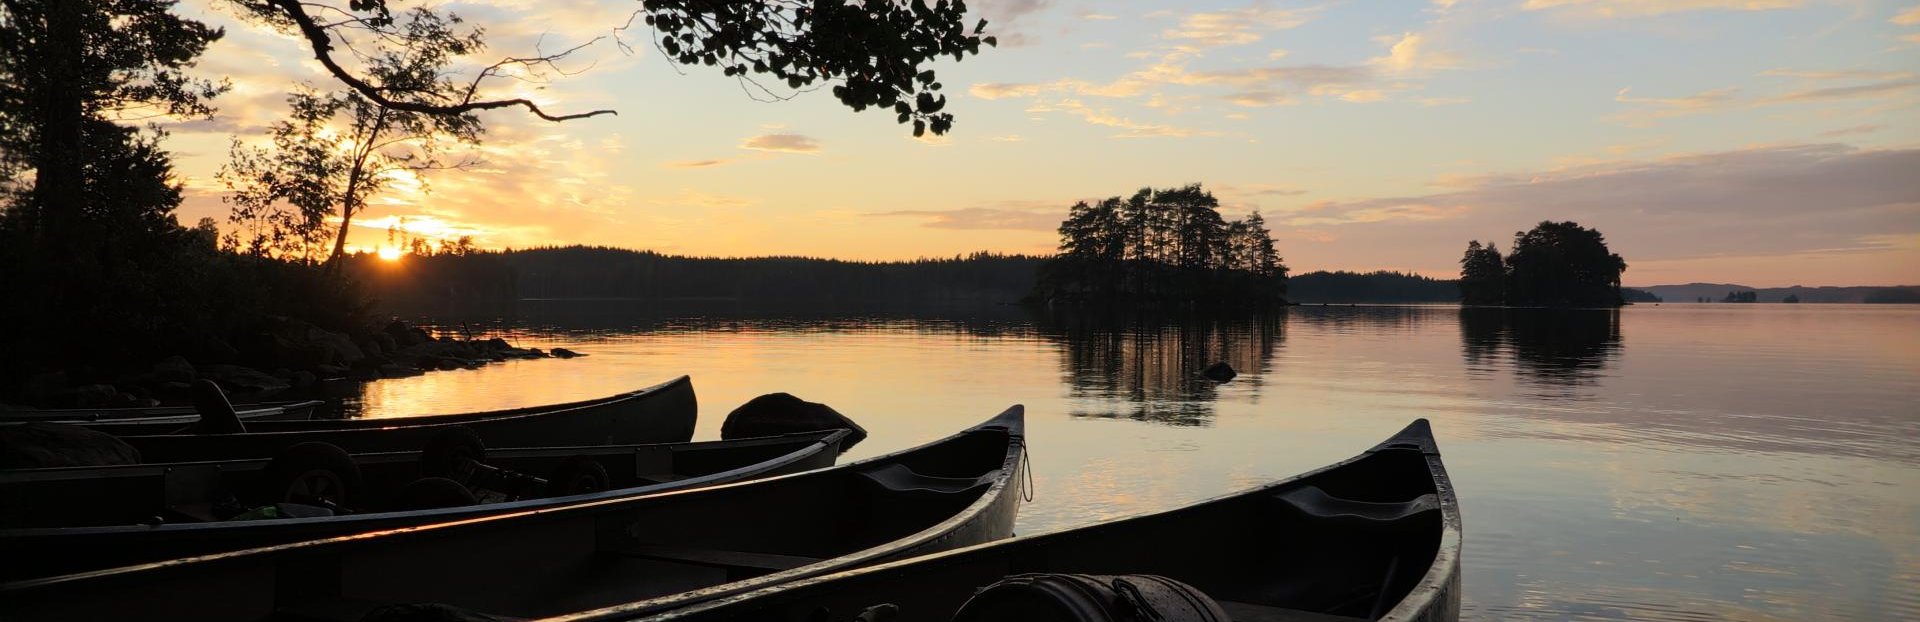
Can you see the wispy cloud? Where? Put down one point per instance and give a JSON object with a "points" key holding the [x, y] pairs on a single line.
{"points": [[1010, 215], [785, 143], [1613, 9], [1907, 17], [1233, 27], [1411, 53]]}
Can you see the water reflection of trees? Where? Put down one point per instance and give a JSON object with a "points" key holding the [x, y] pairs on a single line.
{"points": [[1553, 350], [1147, 368]]}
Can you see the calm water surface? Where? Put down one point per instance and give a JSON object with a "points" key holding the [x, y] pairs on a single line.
{"points": [[1681, 462]]}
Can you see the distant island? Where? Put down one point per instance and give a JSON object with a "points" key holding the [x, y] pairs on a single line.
{"points": [[1718, 292], [1555, 264]]}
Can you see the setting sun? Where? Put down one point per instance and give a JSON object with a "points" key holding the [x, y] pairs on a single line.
{"points": [[388, 253]]}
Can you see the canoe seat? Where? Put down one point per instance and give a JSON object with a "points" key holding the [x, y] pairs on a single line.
{"points": [[1248, 612], [897, 477], [716, 557], [1314, 502]]}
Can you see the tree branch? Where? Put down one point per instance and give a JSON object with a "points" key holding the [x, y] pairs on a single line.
{"points": [[323, 52]]}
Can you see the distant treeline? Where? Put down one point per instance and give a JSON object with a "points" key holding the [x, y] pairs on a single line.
{"points": [[577, 272], [1376, 287], [1718, 292]]}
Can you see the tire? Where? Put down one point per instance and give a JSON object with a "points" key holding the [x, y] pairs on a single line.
{"points": [[311, 471], [429, 493], [443, 455], [578, 475]]}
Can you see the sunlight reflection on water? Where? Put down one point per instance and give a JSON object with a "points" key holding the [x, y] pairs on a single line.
{"points": [[1682, 462]]}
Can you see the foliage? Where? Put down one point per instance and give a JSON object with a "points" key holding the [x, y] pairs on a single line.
{"points": [[1556, 264], [1167, 245], [875, 50], [283, 195], [1483, 275], [1746, 296]]}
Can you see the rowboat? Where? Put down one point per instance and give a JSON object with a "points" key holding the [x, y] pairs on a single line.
{"points": [[717, 541], [1376, 537], [155, 419], [659, 414], [63, 520]]}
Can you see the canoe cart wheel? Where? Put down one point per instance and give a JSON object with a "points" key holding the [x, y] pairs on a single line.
{"points": [[577, 475], [452, 454], [428, 493], [313, 473]]}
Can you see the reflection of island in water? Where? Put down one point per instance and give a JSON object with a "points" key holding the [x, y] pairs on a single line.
{"points": [[1152, 365], [1554, 350]]}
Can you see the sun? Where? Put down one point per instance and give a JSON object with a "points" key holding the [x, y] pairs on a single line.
{"points": [[388, 253]]}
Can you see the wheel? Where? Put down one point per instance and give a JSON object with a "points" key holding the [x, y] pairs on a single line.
{"points": [[578, 475], [444, 454], [313, 473], [428, 493]]}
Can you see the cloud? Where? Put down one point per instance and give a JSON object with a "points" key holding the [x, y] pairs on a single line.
{"points": [[1233, 27], [1023, 216], [785, 143], [1409, 53], [1443, 101], [1614, 9], [1824, 196], [1908, 17], [698, 163], [1006, 19], [1835, 74], [1648, 109], [1856, 91], [1007, 138], [1133, 129], [1004, 90], [1090, 14], [1850, 131]]}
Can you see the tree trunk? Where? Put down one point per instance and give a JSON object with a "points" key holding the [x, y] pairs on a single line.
{"points": [[57, 169]]}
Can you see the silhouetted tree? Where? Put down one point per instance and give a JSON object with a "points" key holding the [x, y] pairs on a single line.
{"points": [[1562, 264], [873, 51], [1483, 275], [284, 195]]}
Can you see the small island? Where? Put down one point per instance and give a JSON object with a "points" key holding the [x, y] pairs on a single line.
{"points": [[1162, 247], [1556, 264]]}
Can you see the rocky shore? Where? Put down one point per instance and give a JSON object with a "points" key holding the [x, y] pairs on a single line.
{"points": [[289, 357]]}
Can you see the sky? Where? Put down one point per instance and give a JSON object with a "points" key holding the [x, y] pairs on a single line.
{"points": [[1759, 142]]}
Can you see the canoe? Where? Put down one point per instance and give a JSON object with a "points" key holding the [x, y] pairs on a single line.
{"points": [[64, 520], [719, 540], [1376, 537], [155, 419], [659, 414]]}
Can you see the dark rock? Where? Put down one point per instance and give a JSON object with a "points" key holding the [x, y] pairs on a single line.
{"points": [[536, 353], [303, 379], [1219, 372], [394, 370], [90, 395], [565, 353], [497, 343], [339, 348], [35, 445], [237, 379], [404, 334], [174, 369], [43, 388], [386, 344], [331, 371], [781, 413]]}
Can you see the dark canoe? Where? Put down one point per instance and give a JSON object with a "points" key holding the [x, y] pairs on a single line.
{"points": [[717, 541], [659, 414], [103, 496], [156, 419], [1376, 537]]}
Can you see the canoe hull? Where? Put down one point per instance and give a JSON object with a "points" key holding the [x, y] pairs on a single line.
{"points": [[659, 414]]}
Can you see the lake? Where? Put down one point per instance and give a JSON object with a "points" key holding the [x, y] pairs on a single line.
{"points": [[1674, 462]]}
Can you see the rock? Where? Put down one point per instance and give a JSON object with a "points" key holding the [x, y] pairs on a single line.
{"points": [[393, 370], [303, 379], [536, 353], [34, 445], [781, 413], [330, 371], [237, 379], [339, 348], [1219, 372], [404, 334], [43, 388], [565, 353], [90, 395], [174, 369], [386, 344], [497, 343]]}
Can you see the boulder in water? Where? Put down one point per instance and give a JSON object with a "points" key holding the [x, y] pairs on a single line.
{"points": [[782, 413], [1219, 372]]}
